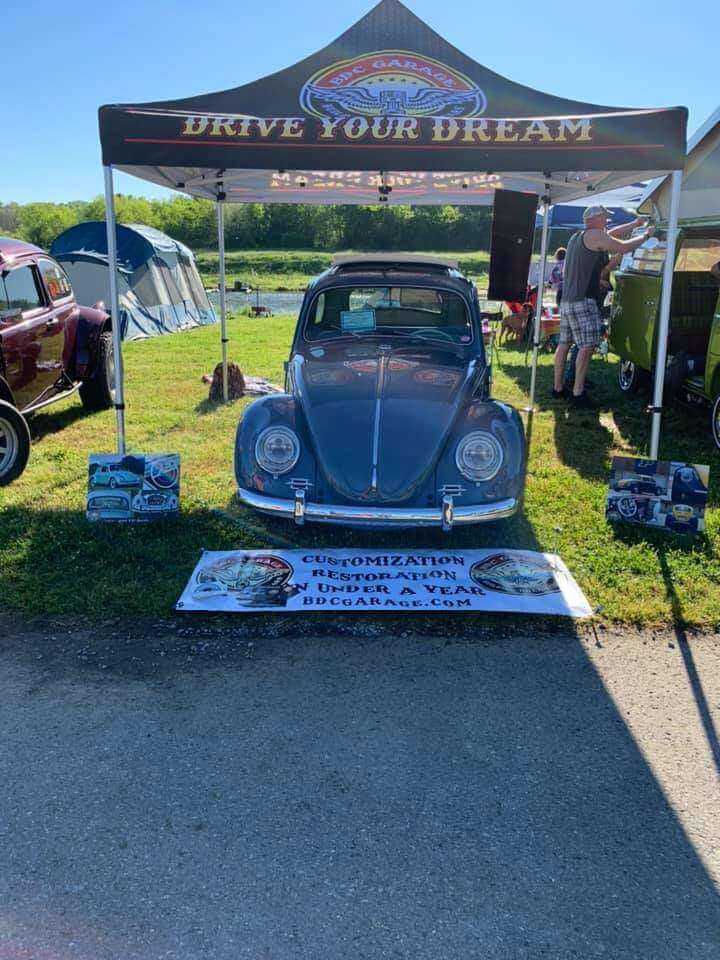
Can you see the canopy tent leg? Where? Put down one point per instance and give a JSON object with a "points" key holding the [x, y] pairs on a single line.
{"points": [[111, 227], [223, 306], [664, 325], [538, 305]]}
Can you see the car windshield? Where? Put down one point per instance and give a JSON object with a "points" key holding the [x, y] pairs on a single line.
{"points": [[419, 312]]}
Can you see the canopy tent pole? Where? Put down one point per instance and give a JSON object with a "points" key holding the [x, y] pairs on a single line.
{"points": [[664, 325], [223, 310], [116, 325], [538, 304]]}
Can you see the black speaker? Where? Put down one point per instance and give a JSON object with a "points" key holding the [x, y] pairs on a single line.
{"points": [[513, 228]]}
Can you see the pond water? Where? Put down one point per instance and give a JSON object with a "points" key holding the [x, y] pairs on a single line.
{"points": [[278, 302]]}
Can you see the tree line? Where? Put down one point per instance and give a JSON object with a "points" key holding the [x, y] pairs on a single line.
{"points": [[270, 226]]}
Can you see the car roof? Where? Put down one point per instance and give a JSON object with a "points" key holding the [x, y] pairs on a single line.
{"points": [[13, 249], [353, 261], [392, 274]]}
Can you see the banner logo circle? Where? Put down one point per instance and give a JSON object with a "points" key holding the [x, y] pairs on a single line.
{"points": [[391, 83], [517, 574]]}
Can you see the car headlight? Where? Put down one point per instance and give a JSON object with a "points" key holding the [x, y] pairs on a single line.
{"points": [[277, 450], [479, 456]]}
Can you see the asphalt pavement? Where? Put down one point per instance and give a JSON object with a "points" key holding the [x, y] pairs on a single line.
{"points": [[186, 790]]}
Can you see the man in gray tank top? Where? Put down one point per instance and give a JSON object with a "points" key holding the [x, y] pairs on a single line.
{"points": [[586, 257]]}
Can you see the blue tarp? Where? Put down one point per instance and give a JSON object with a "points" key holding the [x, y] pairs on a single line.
{"points": [[160, 290], [568, 216]]}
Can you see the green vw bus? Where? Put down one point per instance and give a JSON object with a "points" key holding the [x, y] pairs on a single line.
{"points": [[694, 335], [694, 317]]}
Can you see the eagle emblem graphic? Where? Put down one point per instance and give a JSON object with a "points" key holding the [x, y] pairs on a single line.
{"points": [[387, 101], [391, 83], [252, 580]]}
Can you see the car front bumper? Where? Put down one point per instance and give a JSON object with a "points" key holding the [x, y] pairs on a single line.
{"points": [[447, 516]]}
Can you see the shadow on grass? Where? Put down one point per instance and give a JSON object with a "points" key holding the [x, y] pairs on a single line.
{"points": [[586, 445], [582, 442], [48, 421], [207, 406], [661, 542], [55, 561]]}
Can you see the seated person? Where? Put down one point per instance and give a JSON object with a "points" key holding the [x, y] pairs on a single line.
{"points": [[556, 274]]}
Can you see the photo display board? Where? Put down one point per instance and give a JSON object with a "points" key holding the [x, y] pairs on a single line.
{"points": [[665, 494], [134, 488]]}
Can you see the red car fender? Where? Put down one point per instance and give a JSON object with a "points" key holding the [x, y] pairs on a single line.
{"points": [[91, 323]]}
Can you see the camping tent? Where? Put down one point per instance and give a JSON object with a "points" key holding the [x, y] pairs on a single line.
{"points": [[159, 288], [390, 111], [700, 192]]}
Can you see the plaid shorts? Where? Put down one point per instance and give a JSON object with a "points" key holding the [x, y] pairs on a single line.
{"points": [[580, 323]]}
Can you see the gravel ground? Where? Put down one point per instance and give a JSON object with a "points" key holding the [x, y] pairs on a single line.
{"points": [[290, 789]]}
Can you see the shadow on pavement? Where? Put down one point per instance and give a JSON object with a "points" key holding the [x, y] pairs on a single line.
{"points": [[325, 796], [696, 686]]}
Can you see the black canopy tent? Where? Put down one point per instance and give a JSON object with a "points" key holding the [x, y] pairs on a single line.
{"points": [[388, 112]]}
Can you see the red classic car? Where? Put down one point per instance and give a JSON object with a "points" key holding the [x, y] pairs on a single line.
{"points": [[49, 348]]}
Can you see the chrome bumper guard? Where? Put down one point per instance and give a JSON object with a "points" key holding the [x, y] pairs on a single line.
{"points": [[447, 516]]}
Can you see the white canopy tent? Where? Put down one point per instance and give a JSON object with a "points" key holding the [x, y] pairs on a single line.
{"points": [[700, 191], [390, 113]]}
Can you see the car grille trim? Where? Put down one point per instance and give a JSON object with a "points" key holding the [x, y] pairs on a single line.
{"points": [[299, 483], [451, 489]]}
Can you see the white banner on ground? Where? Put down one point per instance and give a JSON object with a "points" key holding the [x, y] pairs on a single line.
{"points": [[284, 581]]}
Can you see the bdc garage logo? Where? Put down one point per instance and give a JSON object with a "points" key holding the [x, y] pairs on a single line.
{"points": [[391, 83], [253, 581]]}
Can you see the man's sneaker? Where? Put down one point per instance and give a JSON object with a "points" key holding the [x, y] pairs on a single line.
{"points": [[563, 394], [583, 402]]}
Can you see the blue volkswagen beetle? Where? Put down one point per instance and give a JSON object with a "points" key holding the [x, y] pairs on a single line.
{"points": [[387, 419]]}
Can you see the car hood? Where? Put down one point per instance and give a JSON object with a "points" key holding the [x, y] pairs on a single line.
{"points": [[379, 416]]}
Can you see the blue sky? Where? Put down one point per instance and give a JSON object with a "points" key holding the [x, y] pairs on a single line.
{"points": [[61, 63]]}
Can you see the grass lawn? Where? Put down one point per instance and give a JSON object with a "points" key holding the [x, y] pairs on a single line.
{"points": [[291, 269], [54, 562]]}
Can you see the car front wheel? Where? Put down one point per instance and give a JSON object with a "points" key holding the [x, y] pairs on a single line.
{"points": [[99, 393], [716, 421], [631, 378], [14, 443]]}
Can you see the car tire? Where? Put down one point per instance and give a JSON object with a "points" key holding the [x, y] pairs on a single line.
{"points": [[112, 483], [715, 422], [632, 378], [99, 393], [14, 443]]}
